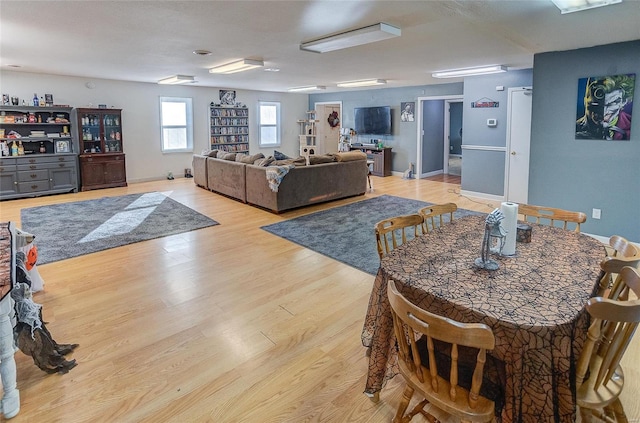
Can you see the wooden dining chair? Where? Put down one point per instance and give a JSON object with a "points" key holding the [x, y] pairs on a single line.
{"points": [[550, 215], [621, 253], [620, 247], [411, 324], [435, 214], [393, 231], [600, 378]]}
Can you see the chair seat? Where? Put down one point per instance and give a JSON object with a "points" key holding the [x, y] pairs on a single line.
{"points": [[587, 397], [483, 412]]}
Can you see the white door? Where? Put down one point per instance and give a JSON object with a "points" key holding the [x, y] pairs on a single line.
{"points": [[518, 139], [327, 137]]}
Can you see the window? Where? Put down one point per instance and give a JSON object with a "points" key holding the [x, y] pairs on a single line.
{"points": [[269, 121], [176, 121]]}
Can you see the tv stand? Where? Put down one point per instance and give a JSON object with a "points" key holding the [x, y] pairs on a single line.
{"points": [[381, 159]]}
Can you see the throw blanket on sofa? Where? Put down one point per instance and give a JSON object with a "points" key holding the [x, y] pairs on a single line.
{"points": [[275, 175]]}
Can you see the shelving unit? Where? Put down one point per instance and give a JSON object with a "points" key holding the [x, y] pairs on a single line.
{"points": [[102, 161], [48, 162], [307, 136], [381, 159], [229, 129]]}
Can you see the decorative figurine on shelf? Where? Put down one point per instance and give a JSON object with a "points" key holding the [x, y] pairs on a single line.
{"points": [[493, 233]]}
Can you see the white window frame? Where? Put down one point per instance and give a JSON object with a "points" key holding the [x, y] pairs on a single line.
{"points": [[261, 143], [189, 124]]}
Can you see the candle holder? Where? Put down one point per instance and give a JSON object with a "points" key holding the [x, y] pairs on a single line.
{"points": [[492, 241]]}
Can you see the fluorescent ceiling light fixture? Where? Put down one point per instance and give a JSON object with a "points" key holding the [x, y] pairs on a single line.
{"points": [[239, 66], [363, 83], [309, 88], [569, 6], [177, 79], [356, 37], [455, 73]]}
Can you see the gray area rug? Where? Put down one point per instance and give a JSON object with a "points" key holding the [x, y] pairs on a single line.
{"points": [[346, 233], [73, 229]]}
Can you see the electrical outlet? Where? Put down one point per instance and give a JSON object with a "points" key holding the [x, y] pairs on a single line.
{"points": [[596, 213]]}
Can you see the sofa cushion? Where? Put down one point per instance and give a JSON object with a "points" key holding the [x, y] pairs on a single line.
{"points": [[220, 154], [321, 159], [264, 162], [348, 156], [229, 156], [245, 158], [280, 156], [212, 153]]}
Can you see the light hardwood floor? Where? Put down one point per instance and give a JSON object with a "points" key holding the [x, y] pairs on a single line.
{"points": [[223, 324]]}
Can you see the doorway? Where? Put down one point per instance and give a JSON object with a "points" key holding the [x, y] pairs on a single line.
{"points": [[454, 147], [433, 134], [328, 130]]}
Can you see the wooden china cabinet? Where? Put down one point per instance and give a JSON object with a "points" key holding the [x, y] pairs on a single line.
{"points": [[102, 163]]}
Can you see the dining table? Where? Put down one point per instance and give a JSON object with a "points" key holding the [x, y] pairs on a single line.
{"points": [[534, 303]]}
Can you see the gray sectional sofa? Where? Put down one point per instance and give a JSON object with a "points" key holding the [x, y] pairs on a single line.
{"points": [[301, 186]]}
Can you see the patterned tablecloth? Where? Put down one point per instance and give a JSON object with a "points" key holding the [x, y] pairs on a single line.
{"points": [[534, 304]]}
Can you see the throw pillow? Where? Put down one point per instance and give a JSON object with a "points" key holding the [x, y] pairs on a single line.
{"points": [[213, 153], [229, 156], [280, 156], [264, 162], [221, 154], [245, 158], [349, 156]]}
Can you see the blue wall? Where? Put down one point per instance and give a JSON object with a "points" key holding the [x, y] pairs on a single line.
{"points": [[403, 138], [584, 174], [483, 164]]}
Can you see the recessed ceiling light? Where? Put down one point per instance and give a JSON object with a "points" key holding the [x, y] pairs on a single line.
{"points": [[202, 52], [309, 88], [177, 79], [455, 73], [569, 6], [365, 35], [271, 69], [238, 66], [363, 83]]}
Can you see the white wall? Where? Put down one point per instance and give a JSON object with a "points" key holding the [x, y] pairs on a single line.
{"points": [[141, 117]]}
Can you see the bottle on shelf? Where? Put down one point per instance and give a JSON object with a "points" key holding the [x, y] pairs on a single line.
{"points": [[35, 100], [20, 149], [14, 148], [43, 149], [41, 103]]}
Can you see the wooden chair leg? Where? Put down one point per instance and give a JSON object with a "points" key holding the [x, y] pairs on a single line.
{"points": [[404, 403], [585, 415], [618, 411]]}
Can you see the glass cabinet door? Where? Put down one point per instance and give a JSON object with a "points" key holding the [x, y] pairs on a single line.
{"points": [[112, 133], [91, 133]]}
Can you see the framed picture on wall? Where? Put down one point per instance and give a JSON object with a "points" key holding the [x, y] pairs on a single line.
{"points": [[604, 107], [227, 97], [407, 113]]}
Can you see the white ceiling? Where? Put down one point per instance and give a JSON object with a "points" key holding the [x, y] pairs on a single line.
{"points": [[149, 40]]}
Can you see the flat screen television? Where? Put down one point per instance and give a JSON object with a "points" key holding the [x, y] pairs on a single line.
{"points": [[372, 120]]}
